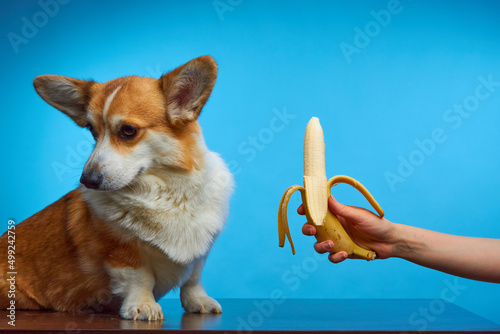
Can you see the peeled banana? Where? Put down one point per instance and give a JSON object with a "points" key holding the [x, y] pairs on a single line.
{"points": [[315, 193]]}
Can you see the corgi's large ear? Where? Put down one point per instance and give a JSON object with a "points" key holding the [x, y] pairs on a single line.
{"points": [[187, 89], [71, 96]]}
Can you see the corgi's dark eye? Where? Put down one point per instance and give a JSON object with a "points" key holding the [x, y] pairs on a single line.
{"points": [[128, 131], [92, 131]]}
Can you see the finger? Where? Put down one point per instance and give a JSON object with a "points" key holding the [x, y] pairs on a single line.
{"points": [[337, 257], [348, 211], [300, 210], [342, 210], [308, 229], [323, 247]]}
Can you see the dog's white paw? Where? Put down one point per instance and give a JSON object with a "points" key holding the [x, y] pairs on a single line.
{"points": [[201, 305], [142, 311]]}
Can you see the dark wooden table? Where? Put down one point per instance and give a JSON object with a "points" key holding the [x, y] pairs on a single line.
{"points": [[263, 315]]}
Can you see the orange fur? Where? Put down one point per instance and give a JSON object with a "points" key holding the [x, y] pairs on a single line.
{"points": [[145, 113], [65, 235]]}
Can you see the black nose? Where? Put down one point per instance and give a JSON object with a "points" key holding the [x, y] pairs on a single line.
{"points": [[90, 179]]}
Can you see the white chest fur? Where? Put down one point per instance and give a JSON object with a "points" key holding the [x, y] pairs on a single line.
{"points": [[181, 214]]}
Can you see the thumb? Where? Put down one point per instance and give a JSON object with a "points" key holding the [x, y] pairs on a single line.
{"points": [[342, 210]]}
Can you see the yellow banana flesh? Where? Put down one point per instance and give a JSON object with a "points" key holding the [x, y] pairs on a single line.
{"points": [[315, 172], [315, 195]]}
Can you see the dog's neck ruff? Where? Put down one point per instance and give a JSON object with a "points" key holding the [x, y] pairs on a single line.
{"points": [[181, 214]]}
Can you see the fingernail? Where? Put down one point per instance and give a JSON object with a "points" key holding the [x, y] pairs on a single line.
{"points": [[329, 245], [344, 256]]}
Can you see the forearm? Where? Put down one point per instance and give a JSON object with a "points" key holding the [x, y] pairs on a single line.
{"points": [[474, 258]]}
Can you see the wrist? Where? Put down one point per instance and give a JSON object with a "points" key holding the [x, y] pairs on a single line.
{"points": [[406, 242]]}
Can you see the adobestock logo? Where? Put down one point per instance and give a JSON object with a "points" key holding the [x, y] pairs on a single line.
{"points": [[454, 117], [75, 158], [222, 6], [30, 27], [292, 279], [254, 144], [372, 29], [425, 316]]}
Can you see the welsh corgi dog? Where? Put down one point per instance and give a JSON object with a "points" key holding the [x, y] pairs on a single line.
{"points": [[151, 203]]}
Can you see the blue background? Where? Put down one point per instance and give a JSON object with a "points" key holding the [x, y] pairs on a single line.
{"points": [[284, 57]]}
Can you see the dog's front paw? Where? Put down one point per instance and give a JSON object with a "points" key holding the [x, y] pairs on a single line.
{"points": [[142, 311], [201, 305]]}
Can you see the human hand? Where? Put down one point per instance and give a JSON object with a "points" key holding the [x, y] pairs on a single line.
{"points": [[365, 228]]}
